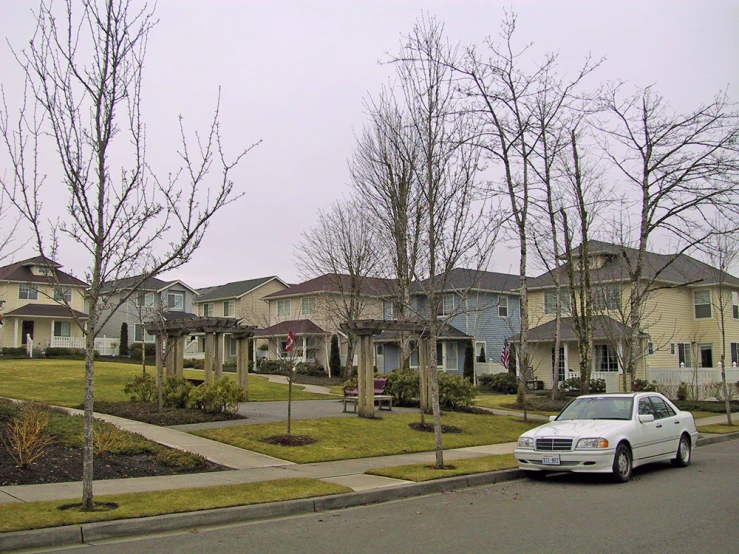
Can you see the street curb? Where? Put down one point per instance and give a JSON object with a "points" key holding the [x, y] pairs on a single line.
{"points": [[718, 438], [90, 532]]}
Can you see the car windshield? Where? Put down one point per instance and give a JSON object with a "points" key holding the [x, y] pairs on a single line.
{"points": [[601, 407]]}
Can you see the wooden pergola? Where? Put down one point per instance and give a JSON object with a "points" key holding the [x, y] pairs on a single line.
{"points": [[365, 330], [214, 328]]}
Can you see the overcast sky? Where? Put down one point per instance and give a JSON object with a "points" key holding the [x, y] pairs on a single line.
{"points": [[294, 75]]}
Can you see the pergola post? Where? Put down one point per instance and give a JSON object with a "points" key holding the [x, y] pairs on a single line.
{"points": [[242, 362], [158, 358], [208, 366], [180, 356], [170, 360], [219, 355], [365, 378], [423, 360]]}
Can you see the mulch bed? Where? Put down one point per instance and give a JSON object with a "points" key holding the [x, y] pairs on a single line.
{"points": [[290, 440], [148, 412], [429, 428], [61, 464]]}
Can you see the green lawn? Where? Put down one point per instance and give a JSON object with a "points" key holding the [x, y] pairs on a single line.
{"points": [[426, 472], [719, 428], [503, 402], [347, 438], [36, 515], [61, 382]]}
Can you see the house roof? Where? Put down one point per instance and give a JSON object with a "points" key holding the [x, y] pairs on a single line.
{"points": [[236, 289], [21, 272], [446, 332], [55, 311], [335, 282], [667, 268], [152, 284], [297, 326], [463, 279], [604, 328]]}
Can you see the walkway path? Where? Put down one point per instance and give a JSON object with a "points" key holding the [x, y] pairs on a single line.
{"points": [[282, 380]]}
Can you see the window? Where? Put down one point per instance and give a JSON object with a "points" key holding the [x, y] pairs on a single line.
{"points": [[607, 298], [62, 329], [702, 303], [447, 304], [650, 348], [229, 308], [283, 309], [232, 347], [63, 295], [414, 354], [146, 300], [646, 407], [735, 302], [550, 302], [388, 310], [661, 409], [27, 292], [605, 358], [176, 301], [452, 356], [208, 310], [140, 334], [502, 306], [735, 353], [308, 306], [480, 352], [683, 353]]}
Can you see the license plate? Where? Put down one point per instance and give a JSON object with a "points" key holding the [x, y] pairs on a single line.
{"points": [[550, 460]]}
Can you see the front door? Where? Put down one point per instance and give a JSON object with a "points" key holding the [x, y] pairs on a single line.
{"points": [[706, 352], [380, 358], [562, 361], [26, 330]]}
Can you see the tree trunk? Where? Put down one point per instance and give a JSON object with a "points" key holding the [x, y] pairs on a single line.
{"points": [[88, 503]]}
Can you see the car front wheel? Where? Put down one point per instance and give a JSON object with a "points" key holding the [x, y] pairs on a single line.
{"points": [[622, 464], [682, 458]]}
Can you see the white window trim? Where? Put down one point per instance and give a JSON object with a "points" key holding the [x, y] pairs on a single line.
{"points": [[229, 308], [308, 305], [444, 312], [500, 306], [176, 294], [286, 312], [709, 304]]}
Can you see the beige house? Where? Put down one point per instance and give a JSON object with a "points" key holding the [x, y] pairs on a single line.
{"points": [[40, 305], [243, 300], [314, 310], [681, 323]]}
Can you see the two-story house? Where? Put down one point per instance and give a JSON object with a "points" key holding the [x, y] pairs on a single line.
{"points": [[680, 319], [40, 303], [153, 298], [243, 300], [314, 310]]}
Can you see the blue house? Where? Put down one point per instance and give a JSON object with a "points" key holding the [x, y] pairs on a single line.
{"points": [[478, 308]]}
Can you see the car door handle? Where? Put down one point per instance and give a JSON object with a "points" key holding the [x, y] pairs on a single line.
{"points": [[659, 426], [677, 423]]}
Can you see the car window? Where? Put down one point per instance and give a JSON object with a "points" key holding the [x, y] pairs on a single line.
{"points": [[661, 408], [598, 408], [646, 407]]}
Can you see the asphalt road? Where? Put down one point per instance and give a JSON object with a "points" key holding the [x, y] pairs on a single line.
{"points": [[663, 509]]}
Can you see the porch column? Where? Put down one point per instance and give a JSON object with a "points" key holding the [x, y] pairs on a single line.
{"points": [[304, 346], [219, 355], [208, 362], [180, 356], [423, 373], [242, 362], [365, 379], [15, 333]]}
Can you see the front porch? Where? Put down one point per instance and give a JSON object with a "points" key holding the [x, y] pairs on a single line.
{"points": [[40, 326]]}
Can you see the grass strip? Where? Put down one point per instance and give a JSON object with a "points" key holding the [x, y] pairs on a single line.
{"points": [[719, 428], [350, 438], [505, 402], [425, 472], [36, 515]]}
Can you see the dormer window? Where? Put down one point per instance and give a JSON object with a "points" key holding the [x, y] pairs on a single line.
{"points": [[176, 301], [27, 292]]}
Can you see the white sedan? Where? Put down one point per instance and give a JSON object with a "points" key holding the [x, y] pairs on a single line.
{"points": [[609, 433]]}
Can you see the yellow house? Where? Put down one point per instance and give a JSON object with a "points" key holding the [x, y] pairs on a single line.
{"points": [[687, 304], [40, 305]]}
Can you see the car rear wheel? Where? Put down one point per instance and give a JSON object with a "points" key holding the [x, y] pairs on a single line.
{"points": [[622, 464], [682, 458]]}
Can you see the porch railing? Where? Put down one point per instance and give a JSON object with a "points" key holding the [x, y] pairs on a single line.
{"points": [[104, 345]]}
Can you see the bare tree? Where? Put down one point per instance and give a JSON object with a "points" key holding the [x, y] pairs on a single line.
{"points": [[342, 246], [678, 167], [83, 71]]}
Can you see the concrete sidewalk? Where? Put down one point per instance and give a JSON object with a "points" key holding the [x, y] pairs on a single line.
{"points": [[282, 380]]}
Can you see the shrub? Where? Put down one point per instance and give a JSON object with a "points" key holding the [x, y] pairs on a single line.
{"points": [[574, 384], [106, 437], [68, 353], [14, 352], [504, 383], [223, 395], [123, 348], [404, 385], [481, 358], [682, 391], [181, 459], [469, 363], [641, 385], [193, 363], [314, 369], [597, 385], [334, 358], [271, 366], [455, 391], [134, 350], [142, 388], [27, 436], [177, 392]]}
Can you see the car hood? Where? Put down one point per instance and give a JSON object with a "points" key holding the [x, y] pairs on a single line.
{"points": [[578, 428]]}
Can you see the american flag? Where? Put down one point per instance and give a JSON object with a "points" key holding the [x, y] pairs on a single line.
{"points": [[505, 354]]}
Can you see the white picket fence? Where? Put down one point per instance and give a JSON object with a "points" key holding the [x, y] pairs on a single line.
{"points": [[704, 383], [485, 368], [105, 346], [610, 377]]}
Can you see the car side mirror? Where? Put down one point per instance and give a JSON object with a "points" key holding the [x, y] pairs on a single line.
{"points": [[646, 418], [552, 418]]}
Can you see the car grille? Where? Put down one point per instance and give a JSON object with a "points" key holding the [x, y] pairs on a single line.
{"points": [[554, 445]]}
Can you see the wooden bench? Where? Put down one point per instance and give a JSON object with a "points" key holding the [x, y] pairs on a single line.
{"points": [[351, 396]]}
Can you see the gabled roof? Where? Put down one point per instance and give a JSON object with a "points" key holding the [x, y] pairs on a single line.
{"points": [[446, 332], [21, 272], [604, 328], [297, 326], [674, 269], [461, 279], [335, 282], [55, 311], [237, 289], [152, 284]]}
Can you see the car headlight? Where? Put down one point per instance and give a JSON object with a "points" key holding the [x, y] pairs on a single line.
{"points": [[599, 442], [525, 442]]}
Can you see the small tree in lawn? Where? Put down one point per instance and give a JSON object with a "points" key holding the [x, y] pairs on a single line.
{"points": [[123, 348], [334, 360]]}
